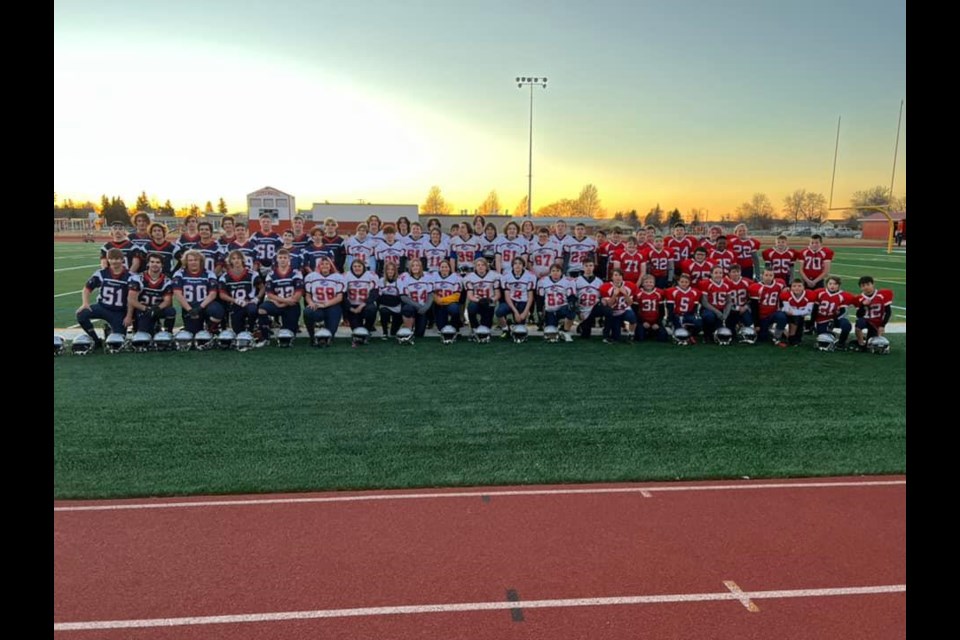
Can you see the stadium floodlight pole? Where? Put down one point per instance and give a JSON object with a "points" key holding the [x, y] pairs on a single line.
{"points": [[532, 82]]}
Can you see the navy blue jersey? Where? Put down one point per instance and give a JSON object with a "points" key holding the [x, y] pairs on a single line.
{"points": [[226, 240], [312, 254], [242, 288], [267, 245], [113, 288], [296, 259], [128, 248], [335, 250], [212, 255], [140, 240], [284, 284], [188, 242], [249, 251], [151, 292], [194, 286], [168, 251], [301, 241]]}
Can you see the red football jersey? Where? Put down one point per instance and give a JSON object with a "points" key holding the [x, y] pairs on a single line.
{"points": [[780, 261], [708, 244], [659, 262], [620, 304], [648, 305], [797, 305], [684, 300], [743, 249], [630, 264], [767, 296], [723, 258], [697, 270], [875, 304], [740, 291], [717, 294], [681, 249], [829, 304], [814, 262]]}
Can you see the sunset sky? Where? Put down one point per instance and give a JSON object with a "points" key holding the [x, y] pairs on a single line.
{"points": [[687, 104]]}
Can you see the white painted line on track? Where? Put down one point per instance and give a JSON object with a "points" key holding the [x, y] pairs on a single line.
{"points": [[744, 600], [474, 606], [476, 494], [646, 494]]}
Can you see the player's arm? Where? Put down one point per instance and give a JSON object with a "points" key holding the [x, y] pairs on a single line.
{"points": [[167, 300], [705, 302], [472, 295], [226, 297], [133, 299]]}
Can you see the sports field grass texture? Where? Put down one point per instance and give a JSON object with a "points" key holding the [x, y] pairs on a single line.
{"points": [[433, 415]]}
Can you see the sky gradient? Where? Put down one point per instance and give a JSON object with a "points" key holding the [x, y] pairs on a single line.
{"points": [[687, 104]]}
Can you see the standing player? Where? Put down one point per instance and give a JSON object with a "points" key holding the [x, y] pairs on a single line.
{"points": [[560, 232], [874, 312], [797, 303], [710, 241], [360, 305], [151, 298], [614, 247], [715, 302], [196, 290], [659, 262], [111, 305], [245, 246], [722, 256], [267, 242], [300, 237], [617, 297], [284, 289], [766, 302], [518, 286], [389, 302], [508, 247], [746, 249], [464, 249], [374, 224], [588, 289], [361, 247], [577, 250], [740, 308], [555, 290], [488, 244], [416, 289], [190, 237], [414, 243], [650, 311], [680, 244], [168, 251], [630, 260], [391, 249], [543, 253], [832, 306], [780, 259], [141, 234], [314, 252], [483, 293], [403, 227], [324, 296], [447, 287], [816, 263], [602, 253], [296, 261], [333, 243], [699, 268], [435, 251], [240, 291], [528, 231], [211, 249], [132, 254], [682, 302], [227, 231]]}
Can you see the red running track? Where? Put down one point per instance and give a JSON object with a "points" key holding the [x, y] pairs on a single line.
{"points": [[671, 547]]}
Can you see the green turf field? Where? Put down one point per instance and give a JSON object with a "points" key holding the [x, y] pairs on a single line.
{"points": [[431, 415]]}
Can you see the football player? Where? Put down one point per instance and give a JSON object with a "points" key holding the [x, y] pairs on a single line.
{"points": [[241, 290], [556, 291], [314, 252], [296, 260], [682, 302], [111, 306], [464, 248], [710, 241], [831, 310], [389, 302], [483, 293], [650, 311], [488, 244], [211, 249], [324, 296], [528, 231], [766, 302], [660, 262], [588, 289], [414, 243], [740, 309], [300, 237], [722, 256], [447, 287], [797, 304], [716, 303], [361, 247], [267, 242], [435, 251], [874, 312], [416, 290], [391, 249], [190, 236], [577, 249], [374, 224], [780, 259], [196, 289], [508, 247], [816, 263], [404, 229], [131, 253], [360, 305], [617, 299], [227, 231], [158, 244], [141, 234], [284, 289], [699, 268], [153, 301], [245, 246], [612, 250], [680, 244], [518, 286], [543, 252], [333, 243], [746, 249], [630, 260]]}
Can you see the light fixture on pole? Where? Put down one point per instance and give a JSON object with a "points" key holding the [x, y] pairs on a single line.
{"points": [[531, 82]]}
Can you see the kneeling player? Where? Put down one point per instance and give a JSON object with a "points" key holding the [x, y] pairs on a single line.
{"points": [[483, 293], [716, 303], [240, 288], [324, 294], [284, 289], [682, 302], [555, 290], [415, 294], [154, 299], [874, 312], [196, 289], [518, 286], [447, 287], [797, 303], [360, 306], [831, 310], [389, 302], [588, 291], [765, 298], [617, 297], [650, 316], [111, 305]]}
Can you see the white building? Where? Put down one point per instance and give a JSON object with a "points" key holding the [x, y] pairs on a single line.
{"points": [[350, 215], [278, 204]]}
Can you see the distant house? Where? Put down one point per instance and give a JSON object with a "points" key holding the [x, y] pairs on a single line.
{"points": [[877, 227]]}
